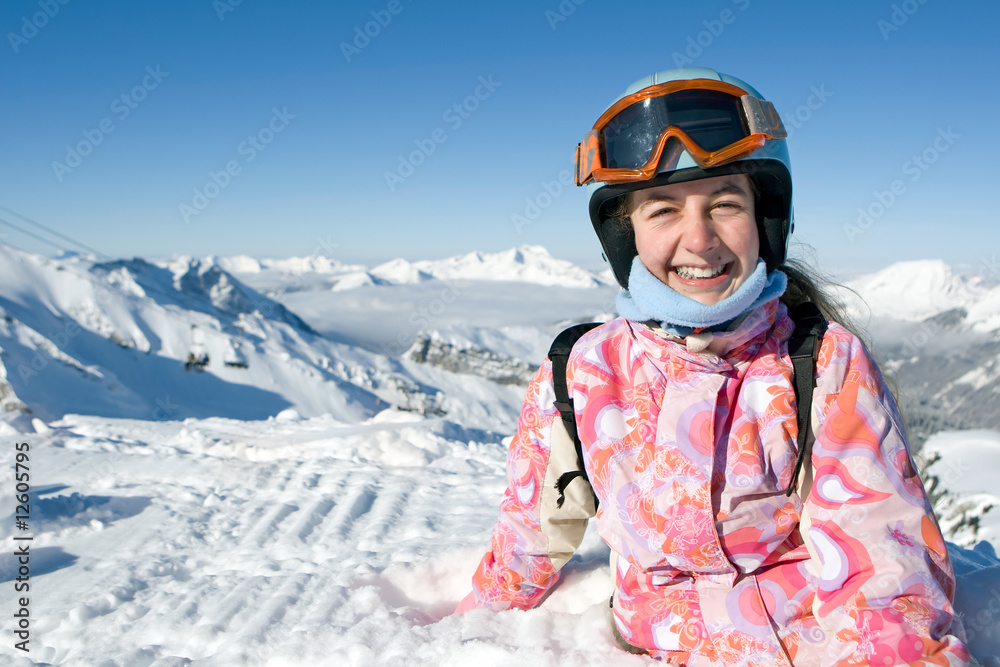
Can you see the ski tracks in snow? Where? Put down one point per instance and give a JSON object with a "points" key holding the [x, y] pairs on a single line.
{"points": [[218, 542]]}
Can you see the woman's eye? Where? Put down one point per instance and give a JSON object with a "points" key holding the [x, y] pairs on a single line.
{"points": [[729, 206], [666, 210]]}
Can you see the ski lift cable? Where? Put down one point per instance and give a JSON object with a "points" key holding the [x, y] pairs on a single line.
{"points": [[55, 233], [31, 234], [10, 245]]}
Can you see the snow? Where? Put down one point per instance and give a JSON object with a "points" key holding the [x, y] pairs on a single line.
{"points": [[239, 264], [966, 466], [527, 263], [918, 290], [399, 271], [354, 280], [293, 542], [293, 265], [931, 288], [327, 504]]}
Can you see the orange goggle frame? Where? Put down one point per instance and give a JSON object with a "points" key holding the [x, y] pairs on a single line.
{"points": [[760, 123]]}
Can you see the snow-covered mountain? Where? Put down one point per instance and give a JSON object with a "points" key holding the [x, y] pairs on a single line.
{"points": [[526, 264], [113, 338], [918, 290], [318, 263], [183, 339], [936, 334], [530, 264]]}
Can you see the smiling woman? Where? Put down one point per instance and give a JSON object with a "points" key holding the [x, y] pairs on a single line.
{"points": [[750, 522], [698, 238]]}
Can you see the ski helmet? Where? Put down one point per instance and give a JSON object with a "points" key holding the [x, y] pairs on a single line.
{"points": [[683, 125]]}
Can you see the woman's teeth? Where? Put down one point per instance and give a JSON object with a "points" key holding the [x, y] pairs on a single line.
{"points": [[690, 272]]}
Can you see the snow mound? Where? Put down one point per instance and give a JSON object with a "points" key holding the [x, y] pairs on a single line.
{"points": [[239, 264], [352, 280], [400, 272]]}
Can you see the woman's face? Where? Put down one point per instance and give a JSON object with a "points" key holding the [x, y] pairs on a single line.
{"points": [[699, 238]]}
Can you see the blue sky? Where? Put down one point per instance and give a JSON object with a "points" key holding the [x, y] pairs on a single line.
{"points": [[268, 129]]}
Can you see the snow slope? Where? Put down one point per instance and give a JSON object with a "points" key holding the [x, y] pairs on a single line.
{"points": [[299, 542], [285, 542]]}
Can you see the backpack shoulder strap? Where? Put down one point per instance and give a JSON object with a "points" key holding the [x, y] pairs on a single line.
{"points": [[803, 346], [559, 354]]}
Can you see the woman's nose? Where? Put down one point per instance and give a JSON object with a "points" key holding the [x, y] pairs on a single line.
{"points": [[699, 233]]}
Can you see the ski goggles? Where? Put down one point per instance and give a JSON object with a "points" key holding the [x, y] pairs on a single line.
{"points": [[714, 121]]}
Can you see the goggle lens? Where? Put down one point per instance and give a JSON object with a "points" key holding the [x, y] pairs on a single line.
{"points": [[712, 119]]}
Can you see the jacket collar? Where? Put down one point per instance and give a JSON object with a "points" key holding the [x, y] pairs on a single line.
{"points": [[740, 340]]}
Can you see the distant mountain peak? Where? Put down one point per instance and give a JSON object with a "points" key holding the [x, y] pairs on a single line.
{"points": [[918, 289], [524, 263]]}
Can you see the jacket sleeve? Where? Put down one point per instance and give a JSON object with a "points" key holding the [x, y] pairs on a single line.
{"points": [[885, 584], [533, 538]]}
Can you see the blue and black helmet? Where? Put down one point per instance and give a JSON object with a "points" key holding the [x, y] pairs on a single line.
{"points": [[683, 125]]}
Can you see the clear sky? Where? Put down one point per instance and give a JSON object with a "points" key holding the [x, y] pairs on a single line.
{"points": [[268, 128]]}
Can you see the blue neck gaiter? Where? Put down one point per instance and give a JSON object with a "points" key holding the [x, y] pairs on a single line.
{"points": [[649, 299]]}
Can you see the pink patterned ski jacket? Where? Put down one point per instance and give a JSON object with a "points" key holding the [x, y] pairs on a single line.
{"points": [[689, 449]]}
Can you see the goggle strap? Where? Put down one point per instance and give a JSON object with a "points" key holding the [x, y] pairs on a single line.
{"points": [[762, 117], [588, 156]]}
